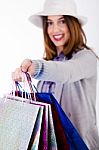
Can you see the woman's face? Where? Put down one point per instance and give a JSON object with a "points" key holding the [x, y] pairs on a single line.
{"points": [[58, 31]]}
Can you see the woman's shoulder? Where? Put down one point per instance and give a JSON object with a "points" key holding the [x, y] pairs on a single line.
{"points": [[85, 53]]}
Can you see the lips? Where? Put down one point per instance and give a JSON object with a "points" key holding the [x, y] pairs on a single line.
{"points": [[58, 37]]}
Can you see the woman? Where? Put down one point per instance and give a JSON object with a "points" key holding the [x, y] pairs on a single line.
{"points": [[69, 68]]}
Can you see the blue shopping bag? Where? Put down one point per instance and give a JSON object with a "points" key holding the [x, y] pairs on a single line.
{"points": [[74, 139]]}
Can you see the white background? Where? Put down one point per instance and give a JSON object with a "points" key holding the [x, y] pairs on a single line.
{"points": [[19, 39]]}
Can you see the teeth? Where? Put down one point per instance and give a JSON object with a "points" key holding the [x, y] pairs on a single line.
{"points": [[57, 36]]}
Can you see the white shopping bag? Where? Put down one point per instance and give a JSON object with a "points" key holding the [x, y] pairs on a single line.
{"points": [[17, 120]]}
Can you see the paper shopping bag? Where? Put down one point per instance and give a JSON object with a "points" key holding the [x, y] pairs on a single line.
{"points": [[43, 136], [47, 139], [52, 139], [42, 140], [17, 121], [61, 138]]}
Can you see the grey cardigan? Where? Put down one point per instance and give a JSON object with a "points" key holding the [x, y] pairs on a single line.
{"points": [[73, 83]]}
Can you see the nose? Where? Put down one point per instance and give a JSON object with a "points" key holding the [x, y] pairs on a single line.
{"points": [[56, 27]]}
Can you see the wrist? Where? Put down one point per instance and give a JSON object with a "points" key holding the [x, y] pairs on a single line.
{"points": [[38, 68]]}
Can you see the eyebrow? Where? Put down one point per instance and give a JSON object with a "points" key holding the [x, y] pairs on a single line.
{"points": [[58, 19]]}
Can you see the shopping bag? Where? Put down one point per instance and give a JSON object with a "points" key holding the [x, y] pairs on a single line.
{"points": [[17, 121], [61, 139], [47, 133], [71, 134], [74, 139], [43, 134]]}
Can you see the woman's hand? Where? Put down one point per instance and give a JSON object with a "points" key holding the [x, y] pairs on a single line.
{"points": [[26, 66]]}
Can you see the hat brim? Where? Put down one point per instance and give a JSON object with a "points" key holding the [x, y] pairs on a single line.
{"points": [[36, 19]]}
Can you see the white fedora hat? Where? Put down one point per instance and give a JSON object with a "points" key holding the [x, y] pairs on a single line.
{"points": [[57, 7]]}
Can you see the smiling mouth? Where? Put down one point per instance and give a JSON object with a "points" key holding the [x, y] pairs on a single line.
{"points": [[58, 37]]}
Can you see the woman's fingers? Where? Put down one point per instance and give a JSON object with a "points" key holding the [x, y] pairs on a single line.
{"points": [[17, 75], [26, 65]]}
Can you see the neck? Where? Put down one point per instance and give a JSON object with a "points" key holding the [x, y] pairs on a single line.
{"points": [[59, 50]]}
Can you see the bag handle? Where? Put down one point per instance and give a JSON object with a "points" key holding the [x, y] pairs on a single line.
{"points": [[31, 85], [21, 88]]}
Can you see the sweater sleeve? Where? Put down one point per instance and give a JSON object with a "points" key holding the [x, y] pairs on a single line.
{"points": [[82, 65]]}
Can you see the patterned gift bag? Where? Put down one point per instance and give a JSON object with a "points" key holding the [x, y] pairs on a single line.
{"points": [[17, 121]]}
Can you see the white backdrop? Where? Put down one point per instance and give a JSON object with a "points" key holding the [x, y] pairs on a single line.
{"points": [[19, 39]]}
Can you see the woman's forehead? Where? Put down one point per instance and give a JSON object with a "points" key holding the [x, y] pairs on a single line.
{"points": [[55, 17]]}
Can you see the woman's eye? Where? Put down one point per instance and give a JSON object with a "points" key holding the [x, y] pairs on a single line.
{"points": [[62, 21], [49, 23]]}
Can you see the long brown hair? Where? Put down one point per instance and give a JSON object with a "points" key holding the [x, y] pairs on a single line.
{"points": [[77, 40]]}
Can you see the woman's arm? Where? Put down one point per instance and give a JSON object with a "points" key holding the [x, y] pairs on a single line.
{"points": [[82, 65]]}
